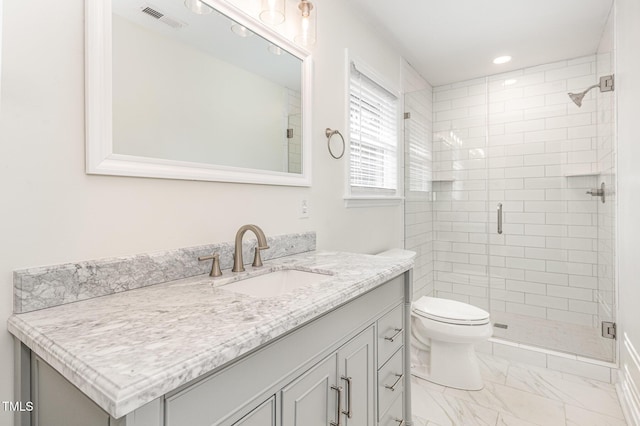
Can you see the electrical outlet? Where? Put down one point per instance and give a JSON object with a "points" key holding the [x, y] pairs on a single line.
{"points": [[304, 209]]}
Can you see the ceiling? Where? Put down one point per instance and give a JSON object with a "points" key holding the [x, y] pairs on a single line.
{"points": [[455, 40]]}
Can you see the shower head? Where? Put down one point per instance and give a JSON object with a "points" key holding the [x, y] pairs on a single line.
{"points": [[577, 97], [605, 85]]}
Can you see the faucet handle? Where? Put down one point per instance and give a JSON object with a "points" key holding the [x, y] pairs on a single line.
{"points": [[257, 259], [215, 266]]}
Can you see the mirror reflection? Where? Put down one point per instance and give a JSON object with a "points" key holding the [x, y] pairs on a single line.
{"points": [[198, 87]]}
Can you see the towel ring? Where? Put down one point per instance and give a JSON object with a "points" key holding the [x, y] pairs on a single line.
{"points": [[329, 134]]}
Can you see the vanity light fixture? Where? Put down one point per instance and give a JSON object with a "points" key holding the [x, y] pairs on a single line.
{"points": [[272, 12], [197, 7], [502, 60], [307, 32], [240, 30]]}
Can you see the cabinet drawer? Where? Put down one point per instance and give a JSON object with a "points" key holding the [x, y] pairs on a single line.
{"points": [[390, 382], [394, 417], [390, 334]]}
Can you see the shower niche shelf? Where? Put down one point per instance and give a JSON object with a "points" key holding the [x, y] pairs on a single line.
{"points": [[582, 174]]}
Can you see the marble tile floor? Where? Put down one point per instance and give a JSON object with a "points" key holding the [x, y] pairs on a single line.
{"points": [[558, 336], [517, 395]]}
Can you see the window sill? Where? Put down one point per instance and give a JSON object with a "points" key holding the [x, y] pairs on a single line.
{"points": [[372, 201]]}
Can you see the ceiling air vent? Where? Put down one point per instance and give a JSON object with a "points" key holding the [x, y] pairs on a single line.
{"points": [[152, 12], [173, 23]]}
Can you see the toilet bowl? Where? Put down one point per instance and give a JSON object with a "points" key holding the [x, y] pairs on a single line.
{"points": [[444, 332]]}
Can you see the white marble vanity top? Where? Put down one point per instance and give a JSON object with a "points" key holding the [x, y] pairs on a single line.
{"points": [[126, 349]]}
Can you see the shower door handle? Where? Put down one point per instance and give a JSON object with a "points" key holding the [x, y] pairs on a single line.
{"points": [[499, 210]]}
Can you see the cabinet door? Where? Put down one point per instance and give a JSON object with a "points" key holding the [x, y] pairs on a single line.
{"points": [[263, 415], [59, 403], [357, 371], [311, 400]]}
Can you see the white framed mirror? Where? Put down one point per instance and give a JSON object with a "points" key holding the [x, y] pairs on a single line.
{"points": [[175, 94]]}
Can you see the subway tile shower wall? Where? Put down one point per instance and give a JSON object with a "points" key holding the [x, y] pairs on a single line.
{"points": [[517, 139], [294, 122]]}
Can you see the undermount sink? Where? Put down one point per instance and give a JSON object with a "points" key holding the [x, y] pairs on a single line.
{"points": [[275, 283]]}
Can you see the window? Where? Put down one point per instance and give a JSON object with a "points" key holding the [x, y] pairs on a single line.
{"points": [[417, 134], [373, 138]]}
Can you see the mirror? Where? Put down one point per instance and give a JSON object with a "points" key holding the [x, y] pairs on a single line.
{"points": [[176, 94]]}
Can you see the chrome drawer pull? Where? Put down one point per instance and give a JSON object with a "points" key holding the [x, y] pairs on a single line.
{"points": [[398, 331], [348, 412], [393, 386], [400, 422], [339, 411]]}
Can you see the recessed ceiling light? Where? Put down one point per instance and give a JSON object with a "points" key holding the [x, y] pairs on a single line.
{"points": [[501, 60]]}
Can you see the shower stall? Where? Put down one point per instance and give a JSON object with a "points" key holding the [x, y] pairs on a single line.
{"points": [[510, 201]]}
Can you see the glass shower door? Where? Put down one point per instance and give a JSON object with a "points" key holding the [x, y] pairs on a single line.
{"points": [[544, 259]]}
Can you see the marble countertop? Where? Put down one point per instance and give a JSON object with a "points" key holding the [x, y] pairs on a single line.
{"points": [[126, 349]]}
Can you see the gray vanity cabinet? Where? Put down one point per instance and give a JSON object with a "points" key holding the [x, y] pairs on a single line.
{"points": [[346, 367]]}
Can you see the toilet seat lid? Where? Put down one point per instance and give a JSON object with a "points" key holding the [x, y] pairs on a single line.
{"points": [[449, 311]]}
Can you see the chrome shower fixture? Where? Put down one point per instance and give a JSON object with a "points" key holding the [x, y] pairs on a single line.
{"points": [[605, 85]]}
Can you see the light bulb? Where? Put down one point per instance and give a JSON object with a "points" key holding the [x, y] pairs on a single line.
{"points": [[272, 12], [307, 34]]}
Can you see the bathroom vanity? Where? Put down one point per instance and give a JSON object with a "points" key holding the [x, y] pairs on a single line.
{"points": [[190, 352]]}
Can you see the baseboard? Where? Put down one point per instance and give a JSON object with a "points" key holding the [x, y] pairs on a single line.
{"points": [[627, 388], [629, 409], [553, 360]]}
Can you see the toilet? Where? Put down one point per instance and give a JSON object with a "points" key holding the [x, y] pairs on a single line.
{"points": [[444, 332]]}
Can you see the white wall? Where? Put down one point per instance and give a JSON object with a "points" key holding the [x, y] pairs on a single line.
{"points": [[52, 212], [628, 93]]}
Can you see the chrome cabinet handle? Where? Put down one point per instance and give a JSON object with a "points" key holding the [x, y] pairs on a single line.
{"points": [[393, 386], [499, 218], [398, 331], [348, 412], [339, 411]]}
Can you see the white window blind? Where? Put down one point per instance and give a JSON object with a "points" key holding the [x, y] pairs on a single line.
{"points": [[418, 134], [373, 126]]}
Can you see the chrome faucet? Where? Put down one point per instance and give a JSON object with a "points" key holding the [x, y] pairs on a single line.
{"points": [[237, 254]]}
